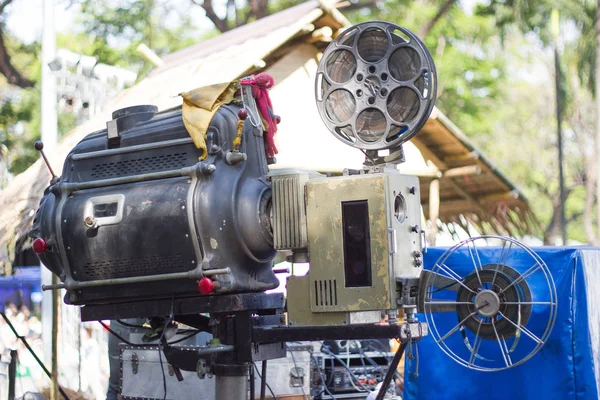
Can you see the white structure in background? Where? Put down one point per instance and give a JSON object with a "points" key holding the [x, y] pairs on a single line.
{"points": [[84, 86]]}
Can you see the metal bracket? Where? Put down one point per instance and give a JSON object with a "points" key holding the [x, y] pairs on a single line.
{"points": [[134, 363]]}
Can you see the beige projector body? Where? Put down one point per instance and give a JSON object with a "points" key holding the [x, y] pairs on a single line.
{"points": [[363, 239]]}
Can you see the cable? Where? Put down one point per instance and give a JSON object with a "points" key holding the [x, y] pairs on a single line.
{"points": [[265, 378], [184, 338], [132, 325], [37, 359], [122, 339], [329, 352], [296, 366], [319, 370], [160, 346]]}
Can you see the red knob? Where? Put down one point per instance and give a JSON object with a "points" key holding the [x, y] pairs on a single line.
{"points": [[206, 286], [39, 246], [242, 114], [277, 119]]}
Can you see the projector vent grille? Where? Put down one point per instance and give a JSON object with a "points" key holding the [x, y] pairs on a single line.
{"points": [[124, 268], [289, 214], [139, 166], [326, 292]]}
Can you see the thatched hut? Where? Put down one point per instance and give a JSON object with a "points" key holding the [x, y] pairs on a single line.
{"points": [[458, 183]]}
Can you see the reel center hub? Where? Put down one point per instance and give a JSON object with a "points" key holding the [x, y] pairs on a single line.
{"points": [[372, 85], [487, 303]]}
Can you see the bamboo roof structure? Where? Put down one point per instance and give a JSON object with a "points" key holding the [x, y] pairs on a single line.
{"points": [[288, 45]]}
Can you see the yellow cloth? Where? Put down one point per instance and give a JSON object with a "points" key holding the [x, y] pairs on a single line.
{"points": [[199, 107]]}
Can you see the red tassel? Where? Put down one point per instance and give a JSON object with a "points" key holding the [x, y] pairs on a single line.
{"points": [[261, 83]]}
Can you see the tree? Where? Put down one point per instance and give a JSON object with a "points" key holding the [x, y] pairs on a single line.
{"points": [[10, 72], [118, 27], [238, 14], [533, 16], [465, 49]]}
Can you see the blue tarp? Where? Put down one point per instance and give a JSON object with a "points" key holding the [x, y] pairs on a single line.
{"points": [[567, 367], [19, 287]]}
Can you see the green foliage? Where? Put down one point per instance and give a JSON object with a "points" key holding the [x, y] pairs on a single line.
{"points": [[465, 48], [15, 131], [488, 72]]}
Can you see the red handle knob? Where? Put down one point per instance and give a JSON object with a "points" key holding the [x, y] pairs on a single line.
{"points": [[39, 246], [206, 286]]}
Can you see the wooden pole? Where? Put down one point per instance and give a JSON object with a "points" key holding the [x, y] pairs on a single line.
{"points": [[55, 299], [597, 73], [434, 210]]}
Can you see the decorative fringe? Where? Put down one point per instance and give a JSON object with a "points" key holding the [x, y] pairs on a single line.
{"points": [[261, 83], [238, 138]]}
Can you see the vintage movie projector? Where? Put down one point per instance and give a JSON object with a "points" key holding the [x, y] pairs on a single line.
{"points": [[151, 220]]}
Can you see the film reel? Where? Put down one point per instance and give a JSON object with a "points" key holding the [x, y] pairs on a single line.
{"points": [[491, 310], [375, 86]]}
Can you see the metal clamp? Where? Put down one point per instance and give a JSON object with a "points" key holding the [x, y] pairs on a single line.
{"points": [[413, 330]]}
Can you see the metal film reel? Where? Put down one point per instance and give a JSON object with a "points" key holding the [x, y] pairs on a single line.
{"points": [[491, 310], [376, 85]]}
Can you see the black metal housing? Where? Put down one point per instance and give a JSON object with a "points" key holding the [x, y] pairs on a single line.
{"points": [[150, 208]]}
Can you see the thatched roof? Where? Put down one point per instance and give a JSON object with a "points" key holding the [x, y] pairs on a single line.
{"points": [[286, 45]]}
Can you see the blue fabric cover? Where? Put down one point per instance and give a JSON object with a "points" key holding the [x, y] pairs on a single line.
{"points": [[565, 368]]}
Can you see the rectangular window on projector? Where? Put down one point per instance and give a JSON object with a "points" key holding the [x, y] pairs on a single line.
{"points": [[357, 243]]}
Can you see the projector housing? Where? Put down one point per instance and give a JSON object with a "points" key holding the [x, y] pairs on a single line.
{"points": [[148, 208]]}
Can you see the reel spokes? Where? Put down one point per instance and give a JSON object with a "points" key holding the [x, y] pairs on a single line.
{"points": [[490, 310]]}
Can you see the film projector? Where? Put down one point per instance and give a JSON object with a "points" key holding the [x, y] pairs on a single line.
{"points": [[144, 223]]}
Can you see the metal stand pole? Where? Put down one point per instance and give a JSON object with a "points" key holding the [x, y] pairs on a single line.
{"points": [[231, 382], [12, 374], [263, 380], [55, 300], [391, 371]]}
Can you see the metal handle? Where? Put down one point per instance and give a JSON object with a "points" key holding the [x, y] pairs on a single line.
{"points": [[394, 246], [423, 242], [91, 220]]}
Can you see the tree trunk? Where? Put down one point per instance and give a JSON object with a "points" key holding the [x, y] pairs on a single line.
{"points": [[258, 8], [598, 118], [13, 76], [220, 24], [441, 12]]}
